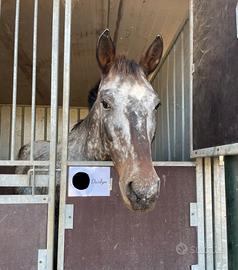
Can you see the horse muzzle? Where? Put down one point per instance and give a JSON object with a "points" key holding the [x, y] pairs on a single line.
{"points": [[142, 198]]}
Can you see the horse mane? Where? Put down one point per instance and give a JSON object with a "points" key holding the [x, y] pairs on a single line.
{"points": [[92, 95]]}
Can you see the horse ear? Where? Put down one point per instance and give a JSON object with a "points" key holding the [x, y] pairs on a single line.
{"points": [[105, 52], [150, 60]]}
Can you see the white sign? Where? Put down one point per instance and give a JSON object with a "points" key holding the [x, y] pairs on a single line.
{"points": [[99, 181]]}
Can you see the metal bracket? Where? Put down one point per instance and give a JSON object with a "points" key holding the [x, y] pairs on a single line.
{"points": [[69, 216], [194, 267], [42, 259], [111, 183], [221, 160], [193, 215]]}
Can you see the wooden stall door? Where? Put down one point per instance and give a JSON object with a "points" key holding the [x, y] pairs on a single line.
{"points": [[106, 235], [215, 80], [23, 231]]}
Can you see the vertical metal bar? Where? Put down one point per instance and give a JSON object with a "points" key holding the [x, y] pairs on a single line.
{"points": [[208, 215], [221, 256], [65, 130], [183, 98], [217, 217], [167, 109], [174, 98], [164, 128], [200, 213], [237, 20], [33, 99], [223, 214], [53, 137], [191, 73], [154, 143], [157, 142], [14, 87]]}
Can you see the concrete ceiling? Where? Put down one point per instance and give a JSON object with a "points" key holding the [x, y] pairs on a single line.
{"points": [[133, 25]]}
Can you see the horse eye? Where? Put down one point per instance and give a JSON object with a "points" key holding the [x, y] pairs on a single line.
{"points": [[157, 106], [106, 105]]}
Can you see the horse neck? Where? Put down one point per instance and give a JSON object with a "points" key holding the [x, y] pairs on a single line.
{"points": [[85, 141]]}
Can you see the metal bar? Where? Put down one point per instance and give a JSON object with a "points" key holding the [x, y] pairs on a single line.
{"points": [[13, 180], [23, 163], [200, 214], [191, 73], [33, 100], [217, 215], [174, 99], [221, 253], [65, 130], [167, 110], [14, 87], [208, 214], [237, 20], [23, 199], [53, 133], [110, 163], [32, 182], [224, 150], [159, 123], [22, 180], [161, 118], [89, 163], [182, 105], [223, 214]]}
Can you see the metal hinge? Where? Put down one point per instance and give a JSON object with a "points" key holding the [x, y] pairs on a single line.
{"points": [[42, 259], [193, 68], [194, 267], [193, 215], [69, 216]]}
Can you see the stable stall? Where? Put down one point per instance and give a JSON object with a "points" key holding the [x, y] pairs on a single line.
{"points": [[48, 54]]}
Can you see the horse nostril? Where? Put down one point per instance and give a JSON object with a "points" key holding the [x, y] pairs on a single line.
{"points": [[132, 192], [129, 188], [142, 197]]}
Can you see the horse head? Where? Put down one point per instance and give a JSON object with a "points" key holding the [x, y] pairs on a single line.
{"points": [[126, 106]]}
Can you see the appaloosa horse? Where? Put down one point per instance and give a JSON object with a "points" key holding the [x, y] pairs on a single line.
{"points": [[120, 125]]}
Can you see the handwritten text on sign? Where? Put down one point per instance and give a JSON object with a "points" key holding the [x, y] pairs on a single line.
{"points": [[99, 181]]}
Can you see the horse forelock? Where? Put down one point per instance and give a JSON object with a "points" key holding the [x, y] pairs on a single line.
{"points": [[126, 67]]}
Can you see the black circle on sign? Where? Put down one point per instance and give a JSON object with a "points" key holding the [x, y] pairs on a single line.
{"points": [[81, 180]]}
